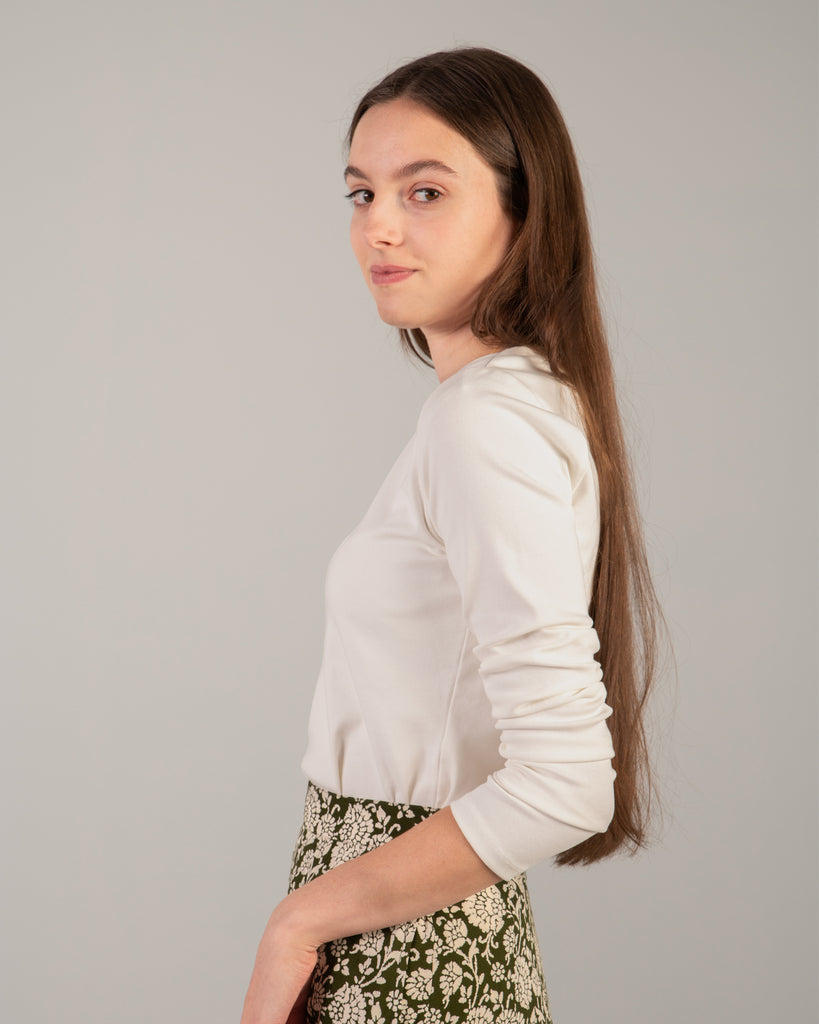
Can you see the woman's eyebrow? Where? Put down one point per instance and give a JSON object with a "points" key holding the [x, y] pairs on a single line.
{"points": [[407, 171]]}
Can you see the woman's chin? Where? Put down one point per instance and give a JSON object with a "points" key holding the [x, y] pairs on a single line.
{"points": [[396, 320]]}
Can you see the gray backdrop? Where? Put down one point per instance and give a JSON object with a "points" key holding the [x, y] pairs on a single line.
{"points": [[199, 402]]}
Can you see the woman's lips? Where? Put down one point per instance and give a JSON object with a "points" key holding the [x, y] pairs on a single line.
{"points": [[390, 274]]}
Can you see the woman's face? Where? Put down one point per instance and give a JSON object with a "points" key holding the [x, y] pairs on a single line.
{"points": [[427, 224]]}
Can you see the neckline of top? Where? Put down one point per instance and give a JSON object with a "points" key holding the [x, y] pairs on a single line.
{"points": [[522, 350]]}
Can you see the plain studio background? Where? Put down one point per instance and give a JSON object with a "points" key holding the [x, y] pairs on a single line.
{"points": [[199, 402]]}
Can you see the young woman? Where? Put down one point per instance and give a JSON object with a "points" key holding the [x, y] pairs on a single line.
{"points": [[491, 621]]}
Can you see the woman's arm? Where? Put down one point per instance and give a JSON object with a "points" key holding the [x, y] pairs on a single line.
{"points": [[428, 867]]}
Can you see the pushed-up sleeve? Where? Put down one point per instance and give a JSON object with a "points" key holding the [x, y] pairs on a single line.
{"points": [[509, 490]]}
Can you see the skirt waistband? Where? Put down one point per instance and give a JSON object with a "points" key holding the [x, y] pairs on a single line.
{"points": [[338, 828]]}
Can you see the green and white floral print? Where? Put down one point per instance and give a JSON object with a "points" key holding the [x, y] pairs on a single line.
{"points": [[475, 962]]}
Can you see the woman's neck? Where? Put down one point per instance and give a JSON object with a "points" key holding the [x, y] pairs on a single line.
{"points": [[451, 351]]}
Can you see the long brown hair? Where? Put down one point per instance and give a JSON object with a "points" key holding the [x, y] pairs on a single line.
{"points": [[544, 294]]}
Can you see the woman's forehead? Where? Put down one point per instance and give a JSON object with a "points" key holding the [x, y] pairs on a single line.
{"points": [[400, 138]]}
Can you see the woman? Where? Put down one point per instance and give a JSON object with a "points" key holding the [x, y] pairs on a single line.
{"points": [[491, 621]]}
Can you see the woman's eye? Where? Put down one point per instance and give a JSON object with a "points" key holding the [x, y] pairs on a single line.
{"points": [[360, 196], [427, 195]]}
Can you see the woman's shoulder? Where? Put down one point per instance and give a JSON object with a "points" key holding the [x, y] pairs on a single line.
{"points": [[500, 395]]}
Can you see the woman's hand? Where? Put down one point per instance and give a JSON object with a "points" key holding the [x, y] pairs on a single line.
{"points": [[280, 983]]}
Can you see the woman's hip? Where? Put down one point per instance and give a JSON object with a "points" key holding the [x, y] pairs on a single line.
{"points": [[477, 960]]}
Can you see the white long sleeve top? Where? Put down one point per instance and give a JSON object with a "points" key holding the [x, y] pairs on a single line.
{"points": [[458, 664]]}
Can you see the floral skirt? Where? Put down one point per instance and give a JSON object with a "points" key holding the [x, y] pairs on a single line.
{"points": [[476, 961]]}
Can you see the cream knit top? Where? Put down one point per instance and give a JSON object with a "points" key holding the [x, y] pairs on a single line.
{"points": [[458, 664]]}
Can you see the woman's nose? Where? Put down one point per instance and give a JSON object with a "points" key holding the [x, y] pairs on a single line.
{"points": [[384, 224]]}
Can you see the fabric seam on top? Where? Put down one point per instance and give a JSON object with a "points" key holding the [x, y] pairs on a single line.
{"points": [[448, 719]]}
